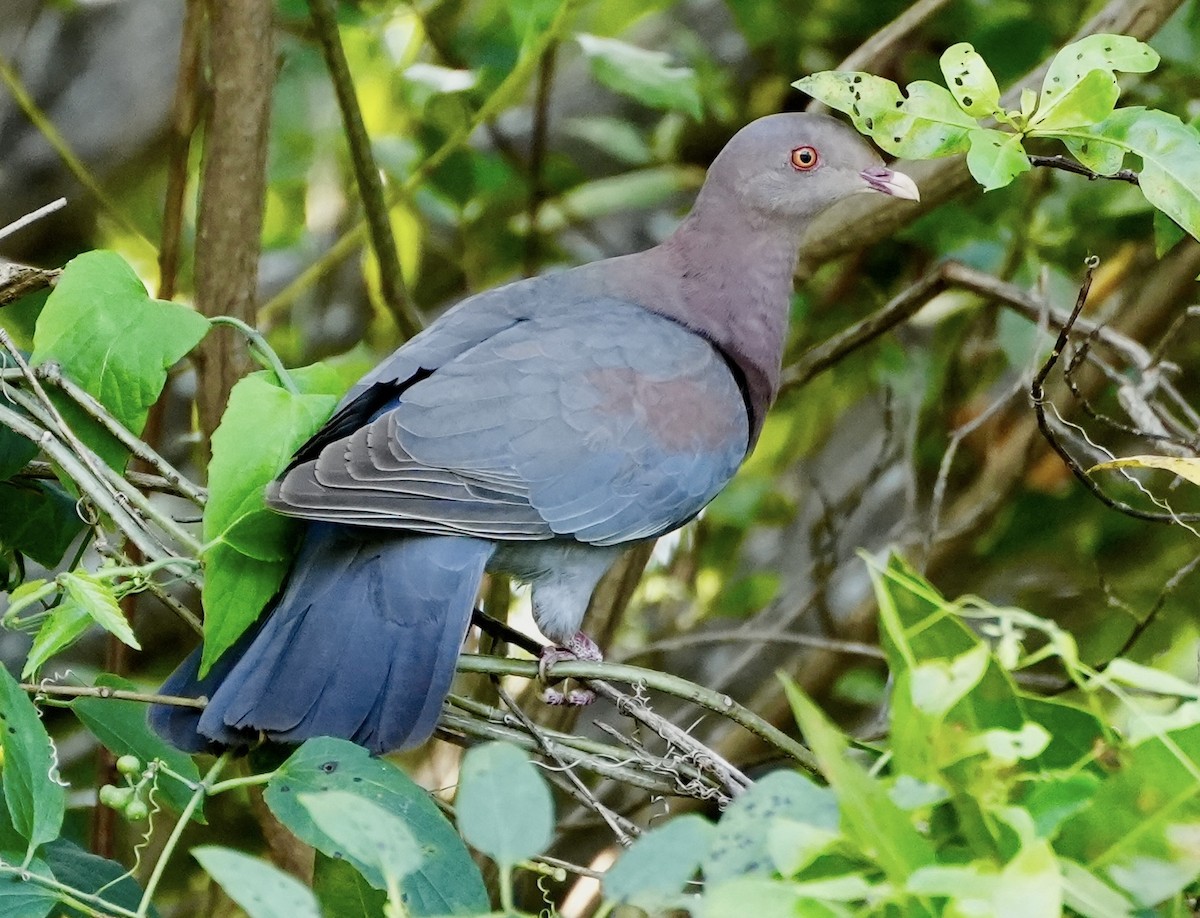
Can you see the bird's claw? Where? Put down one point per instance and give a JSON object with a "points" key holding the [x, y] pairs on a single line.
{"points": [[578, 647]]}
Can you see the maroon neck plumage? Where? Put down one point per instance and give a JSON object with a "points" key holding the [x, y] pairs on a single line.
{"points": [[736, 266]]}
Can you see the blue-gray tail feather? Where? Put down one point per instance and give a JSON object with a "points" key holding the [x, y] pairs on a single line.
{"points": [[361, 644]]}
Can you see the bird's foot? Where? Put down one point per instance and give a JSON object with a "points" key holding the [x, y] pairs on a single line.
{"points": [[579, 647]]}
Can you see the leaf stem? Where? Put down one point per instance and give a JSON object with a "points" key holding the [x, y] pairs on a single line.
{"points": [[202, 790], [258, 345]]}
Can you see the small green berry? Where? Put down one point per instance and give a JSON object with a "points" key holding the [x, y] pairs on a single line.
{"points": [[115, 797], [129, 765], [136, 810]]}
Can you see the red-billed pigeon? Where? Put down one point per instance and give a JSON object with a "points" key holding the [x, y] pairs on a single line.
{"points": [[537, 429]]}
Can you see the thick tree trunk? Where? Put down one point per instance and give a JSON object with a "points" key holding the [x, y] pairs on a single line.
{"points": [[232, 187]]}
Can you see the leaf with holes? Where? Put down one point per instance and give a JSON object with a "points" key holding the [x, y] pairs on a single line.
{"points": [[970, 80], [995, 157]]}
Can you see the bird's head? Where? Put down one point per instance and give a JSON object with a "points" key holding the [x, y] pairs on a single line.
{"points": [[792, 166]]}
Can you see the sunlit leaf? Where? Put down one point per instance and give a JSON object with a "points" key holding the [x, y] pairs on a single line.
{"points": [[1089, 101], [970, 80], [1187, 469], [36, 799]]}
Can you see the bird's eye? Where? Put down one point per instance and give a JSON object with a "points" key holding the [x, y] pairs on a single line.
{"points": [[804, 158]]}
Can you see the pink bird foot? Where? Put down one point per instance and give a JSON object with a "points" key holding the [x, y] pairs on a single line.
{"points": [[578, 647]]}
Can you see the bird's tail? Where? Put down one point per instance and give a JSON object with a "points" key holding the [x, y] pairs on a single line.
{"points": [[361, 644]]}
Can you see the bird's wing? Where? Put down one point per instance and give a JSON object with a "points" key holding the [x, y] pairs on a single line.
{"points": [[600, 421]]}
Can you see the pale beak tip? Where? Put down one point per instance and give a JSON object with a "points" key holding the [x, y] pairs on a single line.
{"points": [[889, 182]]}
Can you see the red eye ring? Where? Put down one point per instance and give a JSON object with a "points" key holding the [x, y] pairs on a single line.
{"points": [[804, 158]]}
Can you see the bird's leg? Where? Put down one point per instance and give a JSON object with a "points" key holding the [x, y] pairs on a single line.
{"points": [[578, 647]]}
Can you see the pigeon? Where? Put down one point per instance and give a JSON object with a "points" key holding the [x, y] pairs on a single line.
{"points": [[537, 429]]}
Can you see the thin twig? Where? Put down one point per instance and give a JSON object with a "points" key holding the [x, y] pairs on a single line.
{"points": [[103, 691], [366, 174], [1070, 165], [44, 211]]}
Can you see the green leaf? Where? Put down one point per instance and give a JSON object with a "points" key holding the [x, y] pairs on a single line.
{"points": [[38, 520], [95, 597], [1056, 799], [121, 728], [1142, 827], [503, 805], [794, 845], [92, 874], [646, 76], [938, 685], [970, 80], [249, 545], [36, 800], [1089, 101], [1167, 233], [262, 890], [766, 898], [447, 882], [740, 844], [995, 157], [1105, 52], [1088, 895], [22, 898], [869, 816], [109, 336], [365, 831], [866, 98], [653, 870], [66, 622], [15, 451], [343, 891], [928, 125]]}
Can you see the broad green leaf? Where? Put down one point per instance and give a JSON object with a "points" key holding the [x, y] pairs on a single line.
{"points": [[1029, 886], [995, 157], [646, 76], [868, 815], [96, 598], [447, 883], [109, 336], [343, 891], [1105, 52], [92, 874], [1057, 798], [740, 844], [38, 520], [1187, 469], [503, 805], [970, 80], [121, 728], [1088, 895], [1074, 732], [1167, 233], [263, 890], [1142, 830], [653, 870], [36, 800], [20, 897], [66, 622], [1089, 101], [365, 831], [248, 546]]}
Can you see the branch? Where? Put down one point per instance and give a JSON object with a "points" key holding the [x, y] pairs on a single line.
{"points": [[1069, 165], [103, 691], [20, 223], [366, 172]]}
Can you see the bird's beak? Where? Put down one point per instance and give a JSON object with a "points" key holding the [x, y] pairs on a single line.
{"points": [[888, 181]]}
